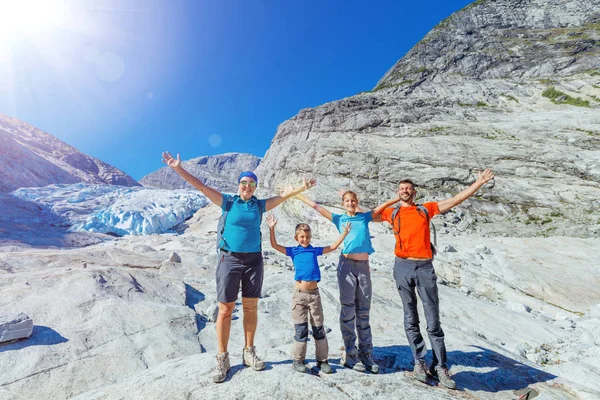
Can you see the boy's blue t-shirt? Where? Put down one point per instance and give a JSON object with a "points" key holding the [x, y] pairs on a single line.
{"points": [[305, 262], [358, 239], [242, 226]]}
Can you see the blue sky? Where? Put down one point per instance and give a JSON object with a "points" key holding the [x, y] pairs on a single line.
{"points": [[124, 80]]}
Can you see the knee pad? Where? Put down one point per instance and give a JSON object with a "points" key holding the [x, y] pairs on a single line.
{"points": [[319, 332], [301, 331]]}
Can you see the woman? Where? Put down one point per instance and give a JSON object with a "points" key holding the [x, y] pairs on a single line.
{"points": [[354, 279], [240, 258]]}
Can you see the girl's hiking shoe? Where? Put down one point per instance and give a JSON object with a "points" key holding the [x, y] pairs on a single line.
{"points": [[324, 367], [299, 366], [351, 361], [250, 359], [443, 375], [420, 371], [222, 367], [369, 363]]}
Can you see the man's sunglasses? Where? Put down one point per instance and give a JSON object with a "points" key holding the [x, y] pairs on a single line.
{"points": [[248, 183]]}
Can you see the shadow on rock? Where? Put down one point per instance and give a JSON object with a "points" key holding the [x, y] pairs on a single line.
{"points": [[505, 374], [41, 336], [193, 296], [492, 372]]}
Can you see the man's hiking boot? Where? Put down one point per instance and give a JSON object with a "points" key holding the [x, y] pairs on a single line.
{"points": [[351, 361], [324, 367], [369, 363], [299, 366], [250, 359], [420, 371], [222, 367], [443, 375]]}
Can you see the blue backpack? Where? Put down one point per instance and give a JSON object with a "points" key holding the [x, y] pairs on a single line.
{"points": [[423, 212], [226, 209]]}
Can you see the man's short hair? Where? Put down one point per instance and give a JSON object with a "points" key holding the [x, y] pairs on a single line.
{"points": [[303, 228], [407, 181]]}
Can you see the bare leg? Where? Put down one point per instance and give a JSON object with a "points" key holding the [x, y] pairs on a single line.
{"points": [[224, 325], [250, 306]]}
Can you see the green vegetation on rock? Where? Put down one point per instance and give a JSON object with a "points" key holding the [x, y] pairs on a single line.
{"points": [[558, 97]]}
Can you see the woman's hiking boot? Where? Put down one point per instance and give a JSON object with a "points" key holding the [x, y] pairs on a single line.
{"points": [[250, 359], [443, 375], [369, 363], [222, 367], [324, 367]]}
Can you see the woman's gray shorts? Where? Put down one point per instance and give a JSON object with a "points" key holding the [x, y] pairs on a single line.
{"points": [[233, 268]]}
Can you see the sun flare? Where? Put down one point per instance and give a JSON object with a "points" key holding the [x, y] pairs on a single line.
{"points": [[29, 17]]}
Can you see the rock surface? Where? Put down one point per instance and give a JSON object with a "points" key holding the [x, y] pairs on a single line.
{"points": [[13, 327], [219, 172], [480, 90], [31, 157]]}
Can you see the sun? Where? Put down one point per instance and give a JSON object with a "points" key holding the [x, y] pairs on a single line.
{"points": [[26, 18]]}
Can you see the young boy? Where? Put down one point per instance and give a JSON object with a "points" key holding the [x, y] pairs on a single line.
{"points": [[306, 300]]}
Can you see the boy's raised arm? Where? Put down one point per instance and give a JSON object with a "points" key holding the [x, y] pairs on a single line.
{"points": [[321, 210], [339, 240], [271, 221]]}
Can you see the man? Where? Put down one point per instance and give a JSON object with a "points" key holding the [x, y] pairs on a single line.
{"points": [[413, 269]]}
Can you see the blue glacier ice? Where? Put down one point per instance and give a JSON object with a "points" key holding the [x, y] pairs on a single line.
{"points": [[115, 209]]}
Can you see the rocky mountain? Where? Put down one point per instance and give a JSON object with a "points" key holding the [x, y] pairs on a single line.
{"points": [[31, 157], [220, 171], [513, 85]]}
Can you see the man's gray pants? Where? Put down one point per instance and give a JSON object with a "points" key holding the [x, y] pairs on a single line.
{"points": [[419, 274], [354, 281]]}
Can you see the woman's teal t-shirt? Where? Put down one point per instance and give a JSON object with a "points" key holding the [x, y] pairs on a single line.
{"points": [[358, 239], [241, 233]]}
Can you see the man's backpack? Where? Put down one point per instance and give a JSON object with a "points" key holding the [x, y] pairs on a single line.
{"points": [[422, 210], [226, 209]]}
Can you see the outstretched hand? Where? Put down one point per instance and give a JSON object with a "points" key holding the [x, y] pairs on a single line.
{"points": [[168, 159], [271, 221], [347, 227], [485, 176], [307, 184]]}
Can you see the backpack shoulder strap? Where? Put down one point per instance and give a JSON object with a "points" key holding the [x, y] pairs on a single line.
{"points": [[394, 215], [423, 209]]}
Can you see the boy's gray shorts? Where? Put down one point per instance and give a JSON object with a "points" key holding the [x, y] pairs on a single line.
{"points": [[235, 268]]}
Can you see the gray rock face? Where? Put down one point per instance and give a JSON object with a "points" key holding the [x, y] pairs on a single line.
{"points": [[482, 89], [16, 326], [219, 172], [31, 157]]}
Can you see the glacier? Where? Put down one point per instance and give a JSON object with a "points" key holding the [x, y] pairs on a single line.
{"points": [[113, 209]]}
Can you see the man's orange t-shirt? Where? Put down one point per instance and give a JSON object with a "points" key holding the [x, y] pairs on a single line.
{"points": [[414, 230]]}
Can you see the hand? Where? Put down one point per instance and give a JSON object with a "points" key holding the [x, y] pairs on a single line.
{"points": [[341, 191], [170, 161], [485, 176], [347, 227], [271, 221], [308, 184]]}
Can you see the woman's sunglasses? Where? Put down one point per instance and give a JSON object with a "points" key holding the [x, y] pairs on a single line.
{"points": [[248, 183]]}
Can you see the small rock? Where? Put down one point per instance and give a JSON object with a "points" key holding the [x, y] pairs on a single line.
{"points": [[518, 307], [561, 98], [465, 289], [15, 326], [480, 248], [174, 257], [212, 312], [449, 249]]}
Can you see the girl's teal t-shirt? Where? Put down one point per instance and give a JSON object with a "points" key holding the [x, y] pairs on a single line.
{"points": [[358, 239]]}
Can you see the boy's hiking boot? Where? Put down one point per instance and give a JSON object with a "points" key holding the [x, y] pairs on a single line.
{"points": [[351, 361], [369, 363], [420, 371], [222, 367], [299, 366], [324, 367], [443, 375], [250, 359]]}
